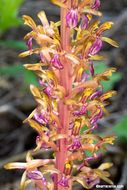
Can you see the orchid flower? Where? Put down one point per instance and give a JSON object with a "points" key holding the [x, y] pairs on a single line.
{"points": [[31, 173], [69, 98]]}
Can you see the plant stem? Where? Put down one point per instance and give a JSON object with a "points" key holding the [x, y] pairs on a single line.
{"points": [[66, 82]]}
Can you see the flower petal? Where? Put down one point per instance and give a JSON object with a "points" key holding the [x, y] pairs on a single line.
{"points": [[15, 165], [92, 11], [58, 3], [29, 21], [110, 41], [39, 128], [107, 95], [105, 166], [58, 137], [22, 183], [50, 169], [103, 27], [43, 18], [33, 67], [35, 91], [81, 181], [33, 164]]}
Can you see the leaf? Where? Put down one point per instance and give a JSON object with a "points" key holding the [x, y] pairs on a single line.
{"points": [[13, 44], [30, 78], [9, 14], [11, 70]]}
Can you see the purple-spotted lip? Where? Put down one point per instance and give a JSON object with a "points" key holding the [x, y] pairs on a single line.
{"points": [[71, 125], [95, 118], [96, 47], [36, 175], [63, 181], [72, 18], [48, 91], [41, 118], [75, 145], [96, 5], [85, 76], [84, 22], [96, 94], [47, 87], [55, 61], [92, 182], [91, 68], [42, 57], [29, 43], [80, 112], [92, 158]]}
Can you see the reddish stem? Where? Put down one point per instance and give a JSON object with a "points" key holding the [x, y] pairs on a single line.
{"points": [[64, 114]]}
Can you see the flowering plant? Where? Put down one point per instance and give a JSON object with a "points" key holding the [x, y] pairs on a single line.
{"points": [[70, 97]]}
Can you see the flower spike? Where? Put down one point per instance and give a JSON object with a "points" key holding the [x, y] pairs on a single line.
{"points": [[69, 97]]}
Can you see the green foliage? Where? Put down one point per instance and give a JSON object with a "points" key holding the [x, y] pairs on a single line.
{"points": [[120, 129], [9, 14], [108, 85], [18, 70], [83, 129], [13, 44]]}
